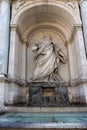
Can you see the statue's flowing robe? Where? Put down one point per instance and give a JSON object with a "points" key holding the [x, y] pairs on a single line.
{"points": [[46, 60]]}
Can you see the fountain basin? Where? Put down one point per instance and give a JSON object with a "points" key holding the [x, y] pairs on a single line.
{"points": [[44, 120]]}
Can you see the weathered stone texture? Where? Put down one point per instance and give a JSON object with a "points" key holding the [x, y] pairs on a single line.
{"points": [[30, 20]]}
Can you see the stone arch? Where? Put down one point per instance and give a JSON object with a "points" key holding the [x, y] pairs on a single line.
{"points": [[64, 33], [63, 9], [60, 5]]}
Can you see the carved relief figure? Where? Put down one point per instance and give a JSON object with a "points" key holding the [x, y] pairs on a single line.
{"points": [[47, 56]]}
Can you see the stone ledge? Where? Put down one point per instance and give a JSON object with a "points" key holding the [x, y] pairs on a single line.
{"points": [[22, 82], [18, 81], [47, 109], [77, 82], [44, 125]]}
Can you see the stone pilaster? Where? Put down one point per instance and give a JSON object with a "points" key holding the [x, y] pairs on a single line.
{"points": [[83, 6], [4, 47], [24, 49], [4, 35], [71, 57], [12, 52], [2, 88], [78, 90]]}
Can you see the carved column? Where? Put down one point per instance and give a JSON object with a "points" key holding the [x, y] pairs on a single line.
{"points": [[71, 57], [81, 64], [24, 49], [80, 51], [83, 5], [4, 47], [12, 52], [4, 35]]}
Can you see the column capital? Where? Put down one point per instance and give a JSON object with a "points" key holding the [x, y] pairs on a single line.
{"points": [[76, 27], [14, 26], [25, 40]]}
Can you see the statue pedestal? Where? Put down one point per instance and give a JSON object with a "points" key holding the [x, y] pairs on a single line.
{"points": [[48, 91], [47, 94]]}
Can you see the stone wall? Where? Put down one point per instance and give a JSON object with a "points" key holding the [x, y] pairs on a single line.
{"points": [[0, 5], [29, 22]]}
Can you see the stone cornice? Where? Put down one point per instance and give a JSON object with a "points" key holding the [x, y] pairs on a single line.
{"points": [[17, 81], [74, 30], [77, 82], [23, 83], [45, 1], [15, 27]]}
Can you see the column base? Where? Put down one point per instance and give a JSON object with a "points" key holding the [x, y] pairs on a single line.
{"points": [[11, 92], [78, 92], [2, 88], [83, 93]]}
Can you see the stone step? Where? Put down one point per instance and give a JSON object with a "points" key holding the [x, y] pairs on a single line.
{"points": [[45, 109]]}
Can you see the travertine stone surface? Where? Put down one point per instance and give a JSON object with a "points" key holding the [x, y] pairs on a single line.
{"points": [[81, 62], [83, 6], [24, 59], [4, 35], [1, 97], [0, 7], [30, 20], [48, 109], [2, 91]]}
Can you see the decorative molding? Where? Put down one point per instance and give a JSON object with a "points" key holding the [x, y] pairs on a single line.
{"points": [[70, 3], [20, 82], [44, 1], [13, 27], [74, 30], [77, 82], [16, 28], [19, 4]]}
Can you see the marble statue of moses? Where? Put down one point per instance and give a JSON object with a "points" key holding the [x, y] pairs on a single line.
{"points": [[47, 56]]}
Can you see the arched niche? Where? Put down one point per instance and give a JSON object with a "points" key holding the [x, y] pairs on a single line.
{"points": [[37, 37], [31, 20], [35, 17]]}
